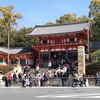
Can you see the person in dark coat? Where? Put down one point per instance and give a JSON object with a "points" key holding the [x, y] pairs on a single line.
{"points": [[14, 77], [23, 81], [84, 79], [5, 80]]}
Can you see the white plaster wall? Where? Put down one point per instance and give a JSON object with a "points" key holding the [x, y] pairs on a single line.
{"points": [[30, 62]]}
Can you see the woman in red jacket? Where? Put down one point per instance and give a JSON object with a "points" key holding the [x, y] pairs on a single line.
{"points": [[9, 79]]}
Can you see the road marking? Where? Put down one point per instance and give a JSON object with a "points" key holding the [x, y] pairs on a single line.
{"points": [[96, 95]]}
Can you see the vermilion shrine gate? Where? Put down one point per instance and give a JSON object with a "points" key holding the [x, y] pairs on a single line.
{"points": [[60, 41]]}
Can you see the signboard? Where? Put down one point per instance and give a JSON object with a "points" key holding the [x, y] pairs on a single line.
{"points": [[81, 60]]}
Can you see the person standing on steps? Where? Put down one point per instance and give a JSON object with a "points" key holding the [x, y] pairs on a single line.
{"points": [[9, 79], [5, 80], [37, 69], [50, 64]]}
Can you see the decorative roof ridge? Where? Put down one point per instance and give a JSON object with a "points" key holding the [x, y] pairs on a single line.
{"points": [[11, 47], [15, 47], [16, 50], [36, 26]]}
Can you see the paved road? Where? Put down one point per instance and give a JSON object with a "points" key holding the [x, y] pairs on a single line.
{"points": [[49, 93]]}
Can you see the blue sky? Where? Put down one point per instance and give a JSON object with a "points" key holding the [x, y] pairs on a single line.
{"points": [[39, 12]]}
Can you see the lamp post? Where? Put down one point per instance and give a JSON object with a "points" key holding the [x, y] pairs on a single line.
{"points": [[88, 45], [0, 39], [8, 46]]}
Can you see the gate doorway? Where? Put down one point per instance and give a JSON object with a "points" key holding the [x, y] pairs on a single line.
{"points": [[58, 55]]}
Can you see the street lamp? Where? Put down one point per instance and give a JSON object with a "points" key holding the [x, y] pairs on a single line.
{"points": [[88, 44], [87, 30], [8, 46], [0, 39]]}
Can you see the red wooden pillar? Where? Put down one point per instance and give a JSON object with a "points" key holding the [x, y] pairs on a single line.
{"points": [[39, 58], [27, 59]]}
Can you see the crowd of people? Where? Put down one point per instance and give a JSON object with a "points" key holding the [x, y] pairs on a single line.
{"points": [[60, 70], [12, 78]]}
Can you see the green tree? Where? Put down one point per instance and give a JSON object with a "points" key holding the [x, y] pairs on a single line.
{"points": [[69, 18], [20, 38], [94, 8], [96, 29], [95, 55], [2, 35], [49, 23], [94, 13], [8, 20]]}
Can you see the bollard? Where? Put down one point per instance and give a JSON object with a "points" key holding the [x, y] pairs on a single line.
{"points": [[70, 80], [60, 82], [87, 83]]}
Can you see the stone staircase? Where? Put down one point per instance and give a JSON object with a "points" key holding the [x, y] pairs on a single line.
{"points": [[32, 72]]}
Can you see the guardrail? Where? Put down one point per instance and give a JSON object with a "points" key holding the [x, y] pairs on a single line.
{"points": [[63, 81]]}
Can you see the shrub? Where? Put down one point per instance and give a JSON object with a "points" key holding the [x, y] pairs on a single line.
{"points": [[92, 68], [95, 56]]}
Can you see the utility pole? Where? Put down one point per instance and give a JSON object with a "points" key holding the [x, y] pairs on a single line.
{"points": [[88, 45], [8, 46]]}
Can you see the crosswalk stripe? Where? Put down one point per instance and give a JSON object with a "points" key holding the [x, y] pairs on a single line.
{"points": [[96, 95]]}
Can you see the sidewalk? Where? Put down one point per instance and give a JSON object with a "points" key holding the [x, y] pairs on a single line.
{"points": [[48, 87]]}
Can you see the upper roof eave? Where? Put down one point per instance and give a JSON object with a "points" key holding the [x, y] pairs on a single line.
{"points": [[57, 33], [59, 29]]}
